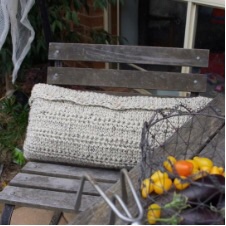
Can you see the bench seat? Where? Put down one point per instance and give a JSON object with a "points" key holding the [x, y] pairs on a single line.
{"points": [[55, 186], [37, 182]]}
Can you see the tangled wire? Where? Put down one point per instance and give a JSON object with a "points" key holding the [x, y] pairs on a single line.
{"points": [[182, 170]]}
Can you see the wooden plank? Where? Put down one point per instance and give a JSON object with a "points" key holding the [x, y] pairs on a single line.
{"points": [[127, 79], [99, 213], [215, 150], [44, 199], [218, 104], [55, 183], [191, 138], [128, 54], [73, 172], [128, 92], [194, 135]]}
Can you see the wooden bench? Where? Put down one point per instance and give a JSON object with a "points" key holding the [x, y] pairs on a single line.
{"points": [[200, 143], [54, 186]]}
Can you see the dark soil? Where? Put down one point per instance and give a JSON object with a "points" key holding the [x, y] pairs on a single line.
{"points": [[9, 171], [31, 77]]}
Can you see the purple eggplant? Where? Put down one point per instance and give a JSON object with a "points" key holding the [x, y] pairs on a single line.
{"points": [[201, 216], [221, 202], [209, 189]]}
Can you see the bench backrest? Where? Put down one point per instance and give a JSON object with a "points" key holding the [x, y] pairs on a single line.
{"points": [[134, 79]]}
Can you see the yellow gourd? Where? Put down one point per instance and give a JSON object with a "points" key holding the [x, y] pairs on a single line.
{"points": [[168, 164], [146, 187], [180, 184], [158, 175], [154, 212], [162, 185], [203, 162], [217, 170]]}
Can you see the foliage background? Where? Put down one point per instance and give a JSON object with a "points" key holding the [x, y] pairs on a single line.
{"points": [[62, 15]]}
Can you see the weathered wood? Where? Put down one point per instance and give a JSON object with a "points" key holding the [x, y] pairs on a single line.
{"points": [[55, 183], [73, 172], [54, 186], [129, 54], [99, 213], [194, 135], [44, 199], [215, 150], [127, 78]]}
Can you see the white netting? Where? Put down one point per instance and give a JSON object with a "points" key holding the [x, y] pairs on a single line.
{"points": [[4, 23], [14, 13]]}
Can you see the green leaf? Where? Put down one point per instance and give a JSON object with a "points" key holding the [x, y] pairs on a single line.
{"points": [[68, 15], [18, 157], [179, 202], [53, 26], [100, 4], [74, 16], [59, 25]]}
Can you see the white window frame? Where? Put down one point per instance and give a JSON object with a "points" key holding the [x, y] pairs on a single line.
{"points": [[191, 21], [211, 3]]}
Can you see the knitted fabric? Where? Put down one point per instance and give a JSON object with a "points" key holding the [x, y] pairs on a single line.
{"points": [[93, 129]]}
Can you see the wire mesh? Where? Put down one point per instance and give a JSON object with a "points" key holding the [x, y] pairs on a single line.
{"points": [[186, 193]]}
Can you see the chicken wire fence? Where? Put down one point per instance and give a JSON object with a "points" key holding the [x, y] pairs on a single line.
{"points": [[197, 197]]}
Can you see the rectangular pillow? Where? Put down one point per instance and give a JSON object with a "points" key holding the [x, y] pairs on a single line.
{"points": [[93, 129]]}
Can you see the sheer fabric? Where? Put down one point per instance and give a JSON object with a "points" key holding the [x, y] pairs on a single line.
{"points": [[14, 15]]}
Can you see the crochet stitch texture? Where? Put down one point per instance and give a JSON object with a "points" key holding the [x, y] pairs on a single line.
{"points": [[94, 129]]}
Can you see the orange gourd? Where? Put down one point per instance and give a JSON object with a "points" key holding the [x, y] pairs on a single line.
{"points": [[183, 168]]}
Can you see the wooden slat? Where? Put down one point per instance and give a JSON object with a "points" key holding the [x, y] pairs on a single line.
{"points": [[58, 170], [215, 150], [127, 79], [55, 183], [128, 54], [194, 135], [99, 213], [44, 199]]}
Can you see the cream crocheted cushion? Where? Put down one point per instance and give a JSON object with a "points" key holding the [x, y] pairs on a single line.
{"points": [[93, 129]]}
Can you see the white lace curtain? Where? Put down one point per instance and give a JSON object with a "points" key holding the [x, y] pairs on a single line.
{"points": [[14, 15]]}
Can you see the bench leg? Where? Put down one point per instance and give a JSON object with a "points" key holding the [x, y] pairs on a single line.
{"points": [[56, 218], [7, 214]]}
